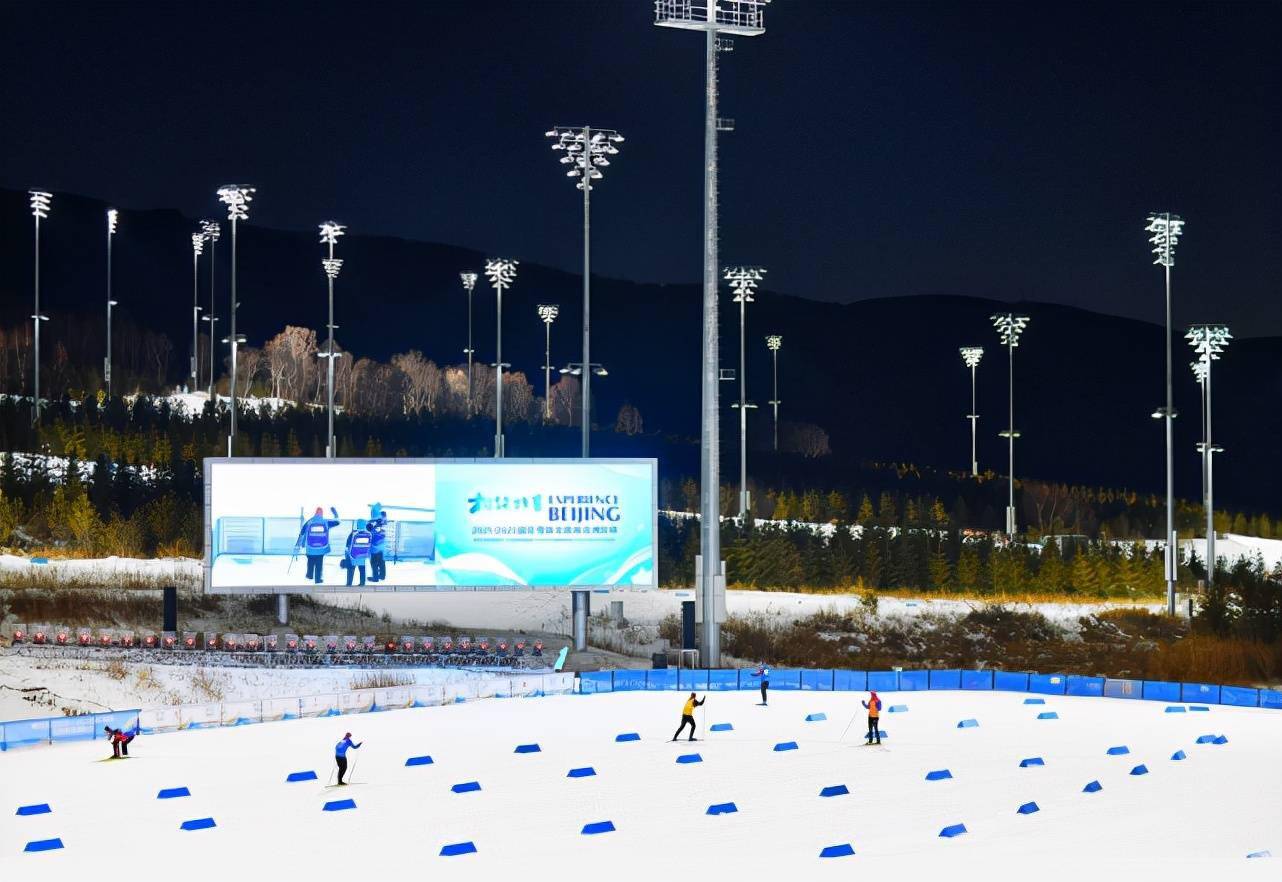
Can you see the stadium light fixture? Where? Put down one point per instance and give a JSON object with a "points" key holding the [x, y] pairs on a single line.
{"points": [[1165, 229], [1209, 342], [213, 232], [501, 272], [1009, 328], [971, 356], [237, 199], [774, 343], [113, 218], [547, 313], [329, 233], [469, 285], [40, 203], [743, 281], [197, 248]]}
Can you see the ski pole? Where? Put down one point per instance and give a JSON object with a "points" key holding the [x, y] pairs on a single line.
{"points": [[848, 725], [352, 776]]}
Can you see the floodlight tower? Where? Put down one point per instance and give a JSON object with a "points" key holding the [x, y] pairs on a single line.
{"points": [[587, 151], [548, 313], [970, 357], [469, 284], [733, 18], [212, 232], [501, 272], [744, 280], [1166, 229], [1009, 326], [237, 199], [329, 233], [112, 217], [773, 343], [40, 201], [197, 248], [1209, 342]]}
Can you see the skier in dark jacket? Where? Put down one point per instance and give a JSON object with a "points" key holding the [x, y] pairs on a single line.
{"points": [[763, 671], [687, 716], [874, 717], [313, 538], [119, 741], [377, 526], [357, 553], [340, 755]]}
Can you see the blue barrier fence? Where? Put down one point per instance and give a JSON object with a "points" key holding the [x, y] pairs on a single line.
{"points": [[49, 730], [841, 680]]}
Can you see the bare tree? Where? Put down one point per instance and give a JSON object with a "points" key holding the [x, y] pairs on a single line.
{"points": [[424, 384], [565, 400], [805, 438], [518, 398], [629, 421]]}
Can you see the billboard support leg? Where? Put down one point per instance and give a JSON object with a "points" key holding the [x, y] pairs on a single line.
{"points": [[580, 603], [282, 609]]}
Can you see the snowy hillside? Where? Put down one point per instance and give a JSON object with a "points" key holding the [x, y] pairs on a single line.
{"points": [[595, 807]]}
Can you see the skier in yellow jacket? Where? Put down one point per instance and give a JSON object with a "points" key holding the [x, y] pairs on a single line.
{"points": [[687, 716]]}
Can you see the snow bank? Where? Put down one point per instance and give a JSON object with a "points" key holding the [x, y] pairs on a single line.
{"points": [[1197, 818]]}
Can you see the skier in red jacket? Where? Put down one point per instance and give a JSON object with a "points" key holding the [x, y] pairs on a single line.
{"points": [[119, 742]]}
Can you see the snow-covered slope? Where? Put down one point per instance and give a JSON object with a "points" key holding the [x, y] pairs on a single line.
{"points": [[1196, 818]]}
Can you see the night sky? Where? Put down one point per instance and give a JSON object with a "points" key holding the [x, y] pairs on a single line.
{"points": [[998, 150]]}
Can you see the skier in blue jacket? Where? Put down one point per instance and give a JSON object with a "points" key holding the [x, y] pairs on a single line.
{"points": [[314, 539], [340, 755], [763, 671], [357, 552], [377, 526]]}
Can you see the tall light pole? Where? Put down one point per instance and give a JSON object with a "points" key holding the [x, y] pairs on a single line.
{"points": [[1166, 229], [112, 218], [40, 201], [1009, 326], [501, 272], [587, 151], [741, 18], [329, 233], [237, 199], [744, 280], [1209, 342], [773, 343], [469, 284], [212, 232], [197, 248], [548, 313], [970, 357]]}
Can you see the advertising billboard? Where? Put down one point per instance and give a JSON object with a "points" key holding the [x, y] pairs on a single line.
{"points": [[318, 525]]}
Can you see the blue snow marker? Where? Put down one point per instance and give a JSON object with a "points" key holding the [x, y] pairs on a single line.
{"points": [[584, 772], [1141, 769], [721, 727], [458, 848], [1048, 715], [938, 775], [1199, 707], [338, 805], [205, 823], [1028, 808], [598, 827], [897, 709], [835, 790], [467, 787], [173, 793], [528, 748], [419, 761], [968, 724], [1179, 755], [1093, 787], [1205, 739], [952, 830], [627, 736], [1260, 854], [293, 777], [40, 561], [785, 745], [1034, 701], [1220, 739], [38, 809], [43, 844], [722, 808], [689, 758], [1174, 709], [815, 718], [832, 851], [1120, 750], [1031, 761]]}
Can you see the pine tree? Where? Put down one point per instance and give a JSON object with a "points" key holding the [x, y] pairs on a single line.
{"points": [[887, 514], [968, 568], [865, 516], [941, 570]]}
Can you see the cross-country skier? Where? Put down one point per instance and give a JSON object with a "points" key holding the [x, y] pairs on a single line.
{"points": [[119, 742], [340, 755], [763, 671], [377, 526], [314, 539], [357, 552], [687, 716], [874, 714]]}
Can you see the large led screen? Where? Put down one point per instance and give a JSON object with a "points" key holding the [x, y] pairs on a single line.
{"points": [[312, 525]]}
